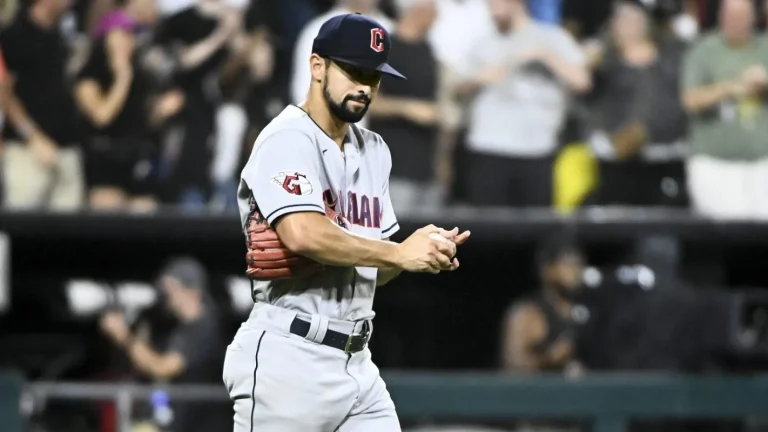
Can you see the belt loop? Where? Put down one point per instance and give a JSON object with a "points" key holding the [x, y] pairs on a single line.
{"points": [[322, 329], [314, 326], [370, 328]]}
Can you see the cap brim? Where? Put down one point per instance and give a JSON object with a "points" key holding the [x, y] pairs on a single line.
{"points": [[389, 70], [383, 68]]}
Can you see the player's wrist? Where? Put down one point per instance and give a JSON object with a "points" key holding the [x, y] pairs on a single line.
{"points": [[391, 255]]}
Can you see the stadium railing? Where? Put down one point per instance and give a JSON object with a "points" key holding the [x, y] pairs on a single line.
{"points": [[610, 400]]}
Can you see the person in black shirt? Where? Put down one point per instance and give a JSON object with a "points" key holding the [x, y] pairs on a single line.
{"points": [[539, 331], [41, 161], [249, 87], [406, 113], [198, 37], [194, 350], [640, 126], [115, 94]]}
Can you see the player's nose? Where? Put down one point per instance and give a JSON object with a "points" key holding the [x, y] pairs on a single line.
{"points": [[365, 89]]}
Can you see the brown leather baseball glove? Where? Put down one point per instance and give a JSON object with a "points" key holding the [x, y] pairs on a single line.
{"points": [[269, 259]]}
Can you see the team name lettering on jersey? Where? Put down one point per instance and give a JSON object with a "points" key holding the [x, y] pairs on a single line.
{"points": [[358, 209]]}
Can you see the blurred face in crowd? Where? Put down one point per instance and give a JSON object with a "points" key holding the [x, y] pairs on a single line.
{"points": [[504, 12], [737, 20], [179, 298], [565, 273], [144, 11], [423, 13], [56, 7], [348, 90], [629, 24], [362, 6]]}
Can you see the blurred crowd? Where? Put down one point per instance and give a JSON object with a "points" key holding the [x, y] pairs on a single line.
{"points": [[134, 104]]}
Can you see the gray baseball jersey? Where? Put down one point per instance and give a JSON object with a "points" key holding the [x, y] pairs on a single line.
{"points": [[295, 167]]}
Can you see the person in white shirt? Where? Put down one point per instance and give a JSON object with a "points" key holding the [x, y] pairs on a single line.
{"points": [[519, 80], [303, 49]]}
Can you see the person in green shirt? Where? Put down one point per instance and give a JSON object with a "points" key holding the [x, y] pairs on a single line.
{"points": [[725, 76]]}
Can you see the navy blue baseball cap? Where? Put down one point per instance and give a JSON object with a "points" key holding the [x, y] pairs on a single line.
{"points": [[356, 40]]}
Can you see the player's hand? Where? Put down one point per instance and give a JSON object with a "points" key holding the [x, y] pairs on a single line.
{"points": [[457, 237], [428, 250]]}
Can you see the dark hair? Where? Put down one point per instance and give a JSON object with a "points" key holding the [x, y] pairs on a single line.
{"points": [[555, 245]]}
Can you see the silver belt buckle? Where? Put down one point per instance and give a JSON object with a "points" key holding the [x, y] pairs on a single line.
{"points": [[365, 335], [352, 337]]}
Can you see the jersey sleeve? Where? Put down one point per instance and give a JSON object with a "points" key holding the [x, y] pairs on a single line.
{"points": [[389, 224], [283, 175]]}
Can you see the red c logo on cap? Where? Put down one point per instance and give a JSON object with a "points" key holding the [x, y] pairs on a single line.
{"points": [[377, 39]]}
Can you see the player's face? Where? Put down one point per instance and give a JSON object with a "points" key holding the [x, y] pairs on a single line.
{"points": [[349, 91]]}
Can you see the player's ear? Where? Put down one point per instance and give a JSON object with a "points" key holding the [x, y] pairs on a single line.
{"points": [[317, 66]]}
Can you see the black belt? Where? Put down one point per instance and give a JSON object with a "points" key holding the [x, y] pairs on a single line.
{"points": [[348, 343]]}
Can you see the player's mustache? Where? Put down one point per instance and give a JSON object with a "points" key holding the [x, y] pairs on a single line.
{"points": [[358, 98]]}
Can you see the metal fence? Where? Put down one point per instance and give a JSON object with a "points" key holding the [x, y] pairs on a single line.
{"points": [[610, 400]]}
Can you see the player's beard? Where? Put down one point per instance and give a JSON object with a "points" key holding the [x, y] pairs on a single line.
{"points": [[342, 110]]}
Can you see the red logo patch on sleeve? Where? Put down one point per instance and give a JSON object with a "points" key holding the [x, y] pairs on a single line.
{"points": [[294, 183]]}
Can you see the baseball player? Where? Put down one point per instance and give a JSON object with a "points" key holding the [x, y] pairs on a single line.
{"points": [[315, 207]]}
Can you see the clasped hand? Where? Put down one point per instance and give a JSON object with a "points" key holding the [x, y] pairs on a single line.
{"points": [[432, 249]]}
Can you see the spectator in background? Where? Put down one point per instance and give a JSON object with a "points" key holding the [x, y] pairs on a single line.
{"points": [[41, 162], [247, 70], [725, 79], [639, 124], [198, 35], [451, 50], [4, 92], [407, 113], [300, 75], [539, 332], [113, 91], [94, 13], [194, 346], [521, 78]]}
